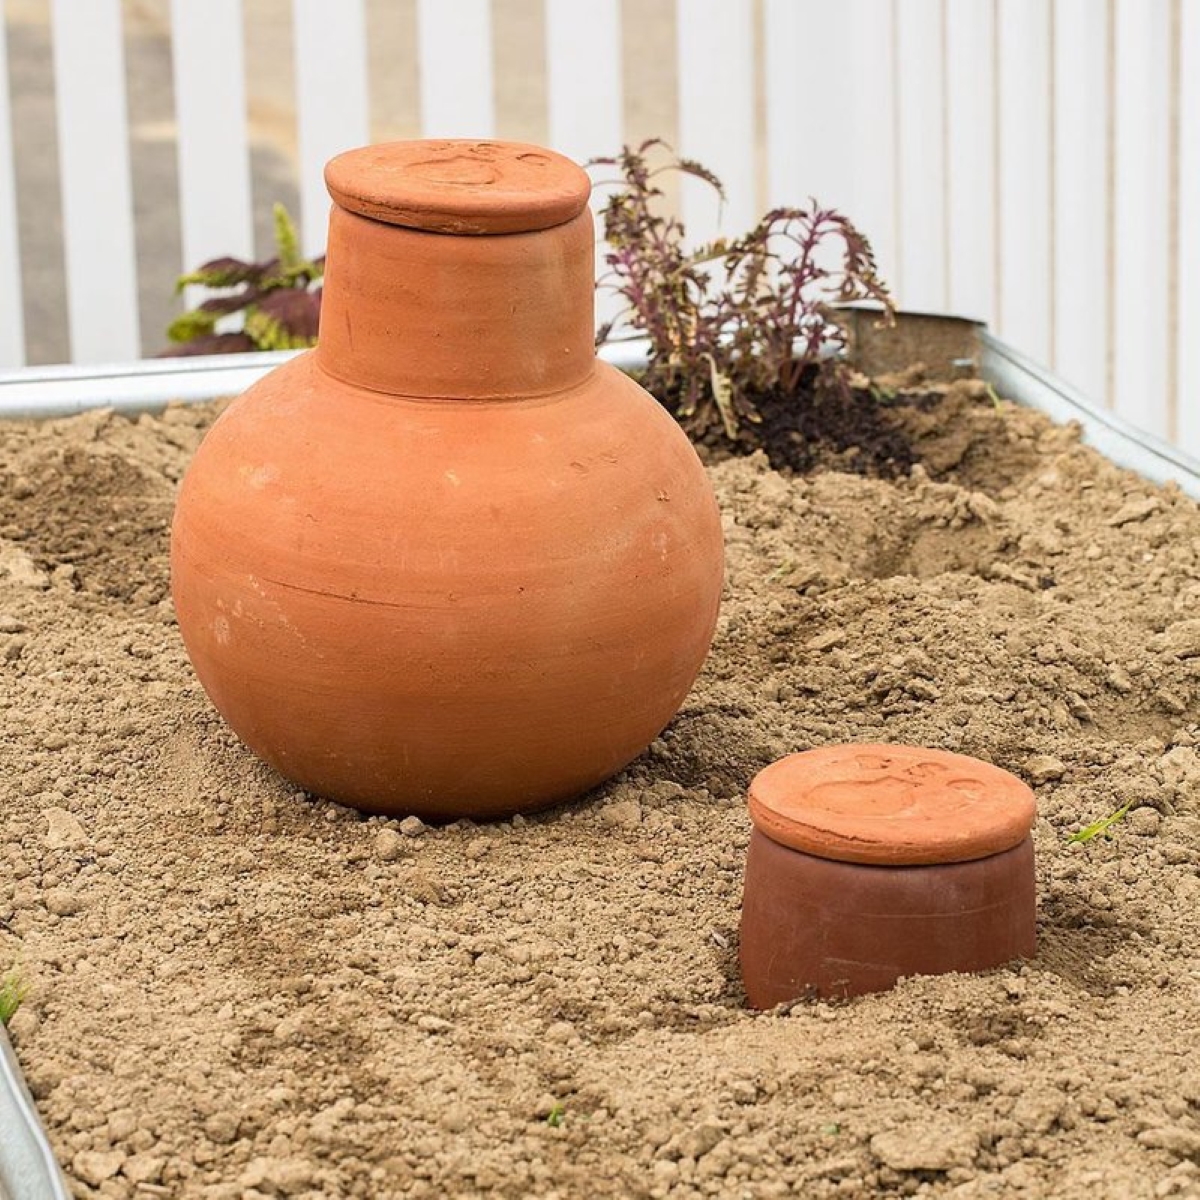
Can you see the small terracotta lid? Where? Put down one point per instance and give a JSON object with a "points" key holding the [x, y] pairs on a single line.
{"points": [[891, 805], [459, 185]]}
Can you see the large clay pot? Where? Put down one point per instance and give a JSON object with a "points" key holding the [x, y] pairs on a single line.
{"points": [[448, 563]]}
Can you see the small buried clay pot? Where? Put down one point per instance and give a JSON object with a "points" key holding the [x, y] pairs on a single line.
{"points": [[448, 563], [871, 862]]}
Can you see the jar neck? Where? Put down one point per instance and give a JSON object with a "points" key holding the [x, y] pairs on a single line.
{"points": [[438, 315]]}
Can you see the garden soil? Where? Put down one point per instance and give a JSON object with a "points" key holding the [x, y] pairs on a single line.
{"points": [[240, 991]]}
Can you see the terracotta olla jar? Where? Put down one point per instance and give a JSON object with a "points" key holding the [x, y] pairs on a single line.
{"points": [[448, 563], [869, 862]]}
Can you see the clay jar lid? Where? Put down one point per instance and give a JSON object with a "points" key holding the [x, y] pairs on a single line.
{"points": [[459, 186], [890, 805]]}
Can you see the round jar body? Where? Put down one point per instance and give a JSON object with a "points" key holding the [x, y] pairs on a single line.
{"points": [[449, 608]]}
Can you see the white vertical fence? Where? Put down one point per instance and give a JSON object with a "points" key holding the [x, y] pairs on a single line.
{"points": [[716, 111], [872, 77], [1185, 293], [12, 318], [970, 127], [583, 53], [1081, 198], [921, 155], [455, 67], [330, 59], [212, 143], [1141, 204], [1032, 163], [1023, 124], [97, 198]]}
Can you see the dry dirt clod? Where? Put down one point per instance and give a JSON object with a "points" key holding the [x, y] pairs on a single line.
{"points": [[389, 845], [412, 827], [1179, 1143], [62, 903], [625, 814], [1136, 509], [1043, 768], [63, 831], [94, 1166], [1182, 639], [829, 640], [20, 568], [920, 1147], [143, 1168]]}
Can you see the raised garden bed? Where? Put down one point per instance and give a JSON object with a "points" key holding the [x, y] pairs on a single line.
{"points": [[239, 991]]}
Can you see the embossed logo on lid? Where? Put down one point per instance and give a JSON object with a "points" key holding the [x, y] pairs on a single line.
{"points": [[898, 805], [459, 186]]}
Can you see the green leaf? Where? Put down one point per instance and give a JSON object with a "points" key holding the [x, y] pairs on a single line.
{"points": [[13, 991], [722, 390], [1100, 828], [192, 324], [221, 273], [285, 320], [224, 305], [286, 239]]}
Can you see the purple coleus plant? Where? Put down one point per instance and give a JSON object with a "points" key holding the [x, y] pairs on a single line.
{"points": [[732, 320], [278, 300]]}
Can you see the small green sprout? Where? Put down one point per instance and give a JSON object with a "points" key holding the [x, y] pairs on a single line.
{"points": [[557, 1115], [832, 1129], [13, 991], [1100, 828]]}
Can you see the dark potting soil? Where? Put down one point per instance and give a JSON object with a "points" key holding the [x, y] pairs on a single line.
{"points": [[859, 428]]}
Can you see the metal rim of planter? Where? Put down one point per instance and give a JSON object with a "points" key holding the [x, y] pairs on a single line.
{"points": [[28, 1168], [1017, 377], [40, 392]]}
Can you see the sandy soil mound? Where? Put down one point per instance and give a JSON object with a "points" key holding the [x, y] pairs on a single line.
{"points": [[244, 992]]}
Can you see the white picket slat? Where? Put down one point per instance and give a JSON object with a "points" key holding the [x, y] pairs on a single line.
{"points": [[1023, 163], [1080, 197], [792, 159], [921, 186], [1188, 284], [583, 95], [715, 47], [810, 158], [1140, 213], [454, 38], [332, 111], [97, 198], [215, 214], [971, 159], [12, 321], [583, 77], [874, 206], [807, 157]]}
